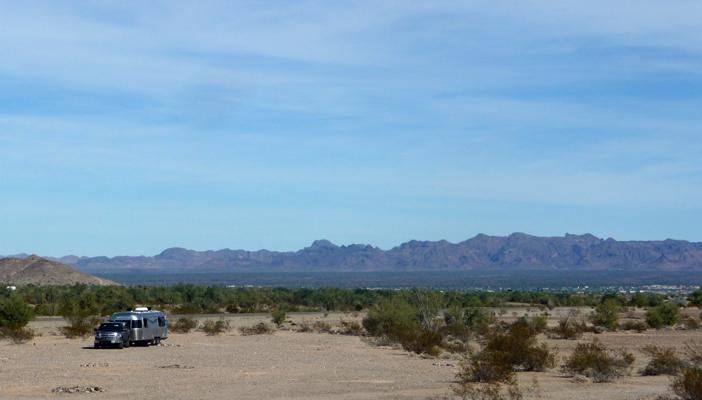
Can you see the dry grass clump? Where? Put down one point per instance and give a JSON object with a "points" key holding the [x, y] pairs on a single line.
{"points": [[595, 361], [259, 329], [664, 361], [16, 334], [79, 326], [214, 328], [183, 325]]}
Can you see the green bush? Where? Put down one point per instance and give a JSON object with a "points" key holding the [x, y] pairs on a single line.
{"points": [[418, 340], [214, 328], [666, 314], [279, 317], [595, 361], [664, 361], [606, 314], [183, 325], [15, 312], [386, 316]]}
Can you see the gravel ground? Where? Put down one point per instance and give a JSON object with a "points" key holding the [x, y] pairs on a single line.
{"points": [[285, 365]]}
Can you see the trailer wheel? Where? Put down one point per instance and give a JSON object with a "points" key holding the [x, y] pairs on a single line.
{"points": [[97, 346]]}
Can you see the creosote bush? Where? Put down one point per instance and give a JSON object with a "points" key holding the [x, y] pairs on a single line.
{"points": [[259, 329], [16, 334], [183, 325], [689, 322], [321, 326], [664, 361], [79, 326], [594, 360], [666, 314], [279, 317], [688, 384], [638, 326], [351, 328], [214, 328]]}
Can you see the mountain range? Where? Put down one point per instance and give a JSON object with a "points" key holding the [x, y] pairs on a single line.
{"points": [[517, 251]]}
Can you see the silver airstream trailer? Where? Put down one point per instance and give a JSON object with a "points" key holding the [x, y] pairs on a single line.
{"points": [[146, 326]]}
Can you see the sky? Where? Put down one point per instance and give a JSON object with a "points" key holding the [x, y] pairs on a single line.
{"points": [[130, 127]]}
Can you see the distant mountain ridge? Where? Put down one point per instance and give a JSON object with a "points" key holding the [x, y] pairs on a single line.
{"points": [[481, 253]]}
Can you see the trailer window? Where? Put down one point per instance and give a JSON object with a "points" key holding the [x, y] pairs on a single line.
{"points": [[161, 321], [136, 324], [146, 323]]}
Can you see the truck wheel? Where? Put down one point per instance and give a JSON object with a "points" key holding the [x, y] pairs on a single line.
{"points": [[126, 344], [120, 345], [97, 346]]}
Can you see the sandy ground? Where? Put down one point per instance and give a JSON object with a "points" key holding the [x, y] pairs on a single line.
{"points": [[286, 365]]}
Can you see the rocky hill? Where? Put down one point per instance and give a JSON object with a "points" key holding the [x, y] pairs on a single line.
{"points": [[481, 253], [40, 271]]}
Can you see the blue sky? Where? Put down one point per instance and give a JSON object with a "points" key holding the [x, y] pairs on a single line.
{"points": [[127, 128]]}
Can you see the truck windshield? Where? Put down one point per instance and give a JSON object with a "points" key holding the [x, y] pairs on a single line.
{"points": [[110, 327]]}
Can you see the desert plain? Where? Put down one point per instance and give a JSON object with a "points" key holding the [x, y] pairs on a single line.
{"points": [[291, 365]]}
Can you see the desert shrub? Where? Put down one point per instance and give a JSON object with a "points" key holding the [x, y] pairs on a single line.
{"points": [[394, 315], [664, 361], [688, 384], [305, 326], [520, 348], [16, 334], [594, 360], [183, 325], [259, 329], [666, 314], [638, 326], [79, 326], [214, 328], [351, 328], [418, 340], [427, 303], [485, 367], [379, 341], [539, 323], [321, 326], [477, 317], [568, 327], [279, 317], [689, 322], [693, 352], [606, 314]]}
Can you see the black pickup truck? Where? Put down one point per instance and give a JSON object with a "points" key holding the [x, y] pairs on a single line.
{"points": [[112, 334]]}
